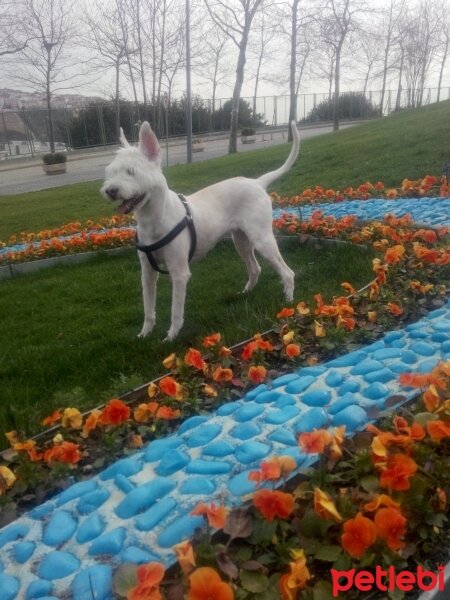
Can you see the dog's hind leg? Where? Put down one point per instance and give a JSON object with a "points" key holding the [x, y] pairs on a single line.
{"points": [[149, 278], [245, 250], [267, 247]]}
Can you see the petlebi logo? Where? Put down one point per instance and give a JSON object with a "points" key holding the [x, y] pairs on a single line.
{"points": [[387, 580]]}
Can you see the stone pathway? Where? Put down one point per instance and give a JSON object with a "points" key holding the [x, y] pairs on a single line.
{"points": [[138, 508]]}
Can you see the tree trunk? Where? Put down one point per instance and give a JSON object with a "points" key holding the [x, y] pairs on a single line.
{"points": [[256, 86], [51, 134], [141, 57], [232, 147], [117, 99], [441, 73], [293, 69], [337, 69]]}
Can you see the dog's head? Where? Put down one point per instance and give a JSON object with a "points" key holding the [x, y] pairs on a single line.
{"points": [[135, 173]]}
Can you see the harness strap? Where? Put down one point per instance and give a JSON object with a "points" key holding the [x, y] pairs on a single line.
{"points": [[187, 221]]}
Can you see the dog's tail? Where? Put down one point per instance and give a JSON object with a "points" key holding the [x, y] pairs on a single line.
{"points": [[268, 178]]}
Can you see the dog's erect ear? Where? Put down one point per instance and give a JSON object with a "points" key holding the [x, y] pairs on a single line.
{"points": [[148, 142], [123, 140]]}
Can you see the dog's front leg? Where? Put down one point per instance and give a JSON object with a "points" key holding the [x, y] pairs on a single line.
{"points": [[179, 282], [149, 278]]}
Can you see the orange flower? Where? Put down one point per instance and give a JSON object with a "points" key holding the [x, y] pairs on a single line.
{"points": [[167, 414], [291, 583], [211, 340], [372, 316], [209, 390], [206, 584], [72, 418], [91, 422], [7, 479], [418, 380], [66, 452], [303, 308], [194, 359], [325, 507], [359, 534], [314, 441], [170, 387], [220, 374], [348, 288], [273, 469], [293, 350], [438, 430], [185, 556], [398, 472], [257, 374], [216, 515], [285, 313], [136, 441], [273, 504], [149, 577], [394, 309], [391, 526], [380, 500], [394, 254], [142, 414], [115, 413], [431, 398], [51, 419]]}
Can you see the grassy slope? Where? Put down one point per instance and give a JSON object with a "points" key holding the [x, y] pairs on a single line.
{"points": [[408, 144]]}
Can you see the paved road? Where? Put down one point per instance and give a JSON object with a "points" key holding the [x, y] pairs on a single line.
{"points": [[17, 178]]}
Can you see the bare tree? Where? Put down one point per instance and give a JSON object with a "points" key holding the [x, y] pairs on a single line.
{"points": [[235, 20], [444, 45], [392, 34], [13, 36], [369, 55]]}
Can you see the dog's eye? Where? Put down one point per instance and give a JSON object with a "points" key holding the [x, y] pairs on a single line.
{"points": [[130, 171]]}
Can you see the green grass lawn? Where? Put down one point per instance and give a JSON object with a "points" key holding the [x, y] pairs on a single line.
{"points": [[407, 144], [76, 326]]}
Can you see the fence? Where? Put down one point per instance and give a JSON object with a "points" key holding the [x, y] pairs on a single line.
{"points": [[26, 132]]}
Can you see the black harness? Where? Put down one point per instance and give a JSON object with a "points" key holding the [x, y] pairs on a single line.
{"points": [[187, 221]]}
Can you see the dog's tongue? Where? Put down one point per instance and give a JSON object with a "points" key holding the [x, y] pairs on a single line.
{"points": [[123, 208]]}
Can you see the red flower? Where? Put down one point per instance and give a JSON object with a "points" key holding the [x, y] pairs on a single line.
{"points": [[216, 515], [206, 584], [114, 413], [257, 374], [391, 526], [398, 472], [66, 452], [194, 359], [273, 504], [285, 313], [359, 534]]}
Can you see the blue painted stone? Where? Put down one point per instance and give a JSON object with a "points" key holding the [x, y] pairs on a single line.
{"points": [[158, 448], [277, 417], [376, 391], [218, 449], [60, 528], [144, 497], [108, 543], [348, 386], [203, 435], [76, 491], [367, 366], [348, 360], [191, 423], [418, 334], [172, 462], [434, 314], [126, 467], [38, 588], [42, 511], [334, 379], [283, 436], [400, 368], [197, 486], [313, 419], [97, 580], [414, 326], [285, 400], [383, 376], [56, 565], [245, 431], [248, 411], [299, 456], [427, 365], [423, 348], [208, 467], [441, 325], [317, 398], [315, 371], [239, 485], [445, 347], [251, 451], [300, 384], [154, 515], [352, 417], [137, 556], [179, 530], [227, 409], [9, 586], [392, 336], [123, 484], [386, 353], [439, 337], [23, 550], [267, 396], [346, 400], [251, 394], [284, 379], [91, 502], [92, 527], [12, 533], [398, 344], [48, 598], [408, 357]]}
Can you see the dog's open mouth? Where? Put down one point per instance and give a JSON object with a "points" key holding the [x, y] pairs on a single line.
{"points": [[130, 204]]}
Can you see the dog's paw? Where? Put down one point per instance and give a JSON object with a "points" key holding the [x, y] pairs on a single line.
{"points": [[146, 329]]}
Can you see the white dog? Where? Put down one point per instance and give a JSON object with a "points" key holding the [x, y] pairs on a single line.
{"points": [[172, 230]]}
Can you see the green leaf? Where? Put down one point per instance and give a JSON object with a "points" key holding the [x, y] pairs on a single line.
{"points": [[437, 519], [124, 579], [328, 553], [253, 581], [244, 553], [370, 483], [423, 418], [323, 591], [313, 526]]}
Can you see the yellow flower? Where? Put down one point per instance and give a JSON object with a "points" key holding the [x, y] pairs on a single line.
{"points": [[7, 479], [303, 308], [325, 507], [72, 418], [12, 437], [152, 390], [288, 337], [319, 329], [185, 556], [170, 362], [58, 439]]}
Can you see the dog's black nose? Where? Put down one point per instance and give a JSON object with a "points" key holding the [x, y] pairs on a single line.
{"points": [[112, 192]]}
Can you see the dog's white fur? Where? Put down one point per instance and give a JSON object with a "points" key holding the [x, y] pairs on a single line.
{"points": [[239, 206]]}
